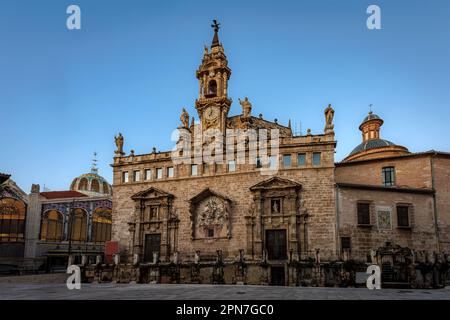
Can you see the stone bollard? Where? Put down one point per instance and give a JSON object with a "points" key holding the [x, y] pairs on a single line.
{"points": [[116, 259], [70, 260], [83, 260]]}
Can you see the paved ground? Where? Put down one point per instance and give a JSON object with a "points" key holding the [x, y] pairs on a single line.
{"points": [[55, 291]]}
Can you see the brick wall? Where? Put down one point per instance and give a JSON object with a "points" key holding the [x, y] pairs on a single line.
{"points": [[421, 235]]}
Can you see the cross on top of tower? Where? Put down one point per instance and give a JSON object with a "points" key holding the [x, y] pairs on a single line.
{"points": [[216, 27]]}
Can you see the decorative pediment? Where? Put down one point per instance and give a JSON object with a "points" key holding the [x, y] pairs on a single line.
{"points": [[151, 193], [206, 193], [275, 183]]}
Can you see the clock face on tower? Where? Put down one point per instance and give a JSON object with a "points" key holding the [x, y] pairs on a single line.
{"points": [[211, 113]]}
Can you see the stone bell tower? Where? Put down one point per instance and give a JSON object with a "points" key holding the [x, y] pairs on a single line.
{"points": [[213, 74]]}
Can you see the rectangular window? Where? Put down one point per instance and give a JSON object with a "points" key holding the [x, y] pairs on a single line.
{"points": [[210, 233], [273, 163], [403, 216], [231, 166], [159, 173], [125, 176], [148, 174], [346, 244], [194, 170], [170, 172], [258, 162], [388, 176], [286, 160], [363, 213], [136, 175], [301, 159], [316, 159]]}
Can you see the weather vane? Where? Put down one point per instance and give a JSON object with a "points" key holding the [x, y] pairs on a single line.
{"points": [[216, 26], [370, 108]]}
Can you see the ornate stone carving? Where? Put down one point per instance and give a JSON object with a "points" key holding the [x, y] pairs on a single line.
{"points": [[212, 212]]}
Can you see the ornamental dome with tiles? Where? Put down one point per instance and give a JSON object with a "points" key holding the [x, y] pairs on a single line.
{"points": [[91, 184]]}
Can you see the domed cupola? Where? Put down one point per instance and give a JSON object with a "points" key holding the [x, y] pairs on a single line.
{"points": [[373, 146], [92, 184]]}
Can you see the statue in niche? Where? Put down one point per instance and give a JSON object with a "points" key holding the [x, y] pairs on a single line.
{"points": [[119, 144], [329, 115], [246, 107], [184, 118], [275, 206]]}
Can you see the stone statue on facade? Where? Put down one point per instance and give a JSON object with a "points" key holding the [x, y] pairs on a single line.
{"points": [[155, 257], [135, 259], [275, 208], [197, 257], [329, 115], [184, 118], [119, 144], [246, 107], [176, 257]]}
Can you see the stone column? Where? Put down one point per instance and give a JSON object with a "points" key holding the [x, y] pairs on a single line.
{"points": [[224, 75], [164, 248], [33, 222], [138, 241], [259, 226]]}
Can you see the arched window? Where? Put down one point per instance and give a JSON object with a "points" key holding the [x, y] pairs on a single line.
{"points": [[95, 186], [79, 225], [212, 88], [105, 188], [83, 185], [12, 219], [52, 226], [101, 225]]}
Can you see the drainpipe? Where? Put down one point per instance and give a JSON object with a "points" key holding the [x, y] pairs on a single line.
{"points": [[436, 227]]}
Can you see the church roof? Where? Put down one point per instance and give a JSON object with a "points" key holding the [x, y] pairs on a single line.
{"points": [[371, 144], [369, 117], [257, 123]]}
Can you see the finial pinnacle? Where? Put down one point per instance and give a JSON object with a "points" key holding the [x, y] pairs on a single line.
{"points": [[94, 168], [370, 109]]}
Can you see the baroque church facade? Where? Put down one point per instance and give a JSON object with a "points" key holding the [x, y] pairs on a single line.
{"points": [[290, 216]]}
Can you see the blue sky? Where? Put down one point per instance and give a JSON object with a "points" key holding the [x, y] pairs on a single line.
{"points": [[131, 68]]}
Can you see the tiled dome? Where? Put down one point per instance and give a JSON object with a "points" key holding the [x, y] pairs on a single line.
{"points": [[371, 144], [91, 184]]}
